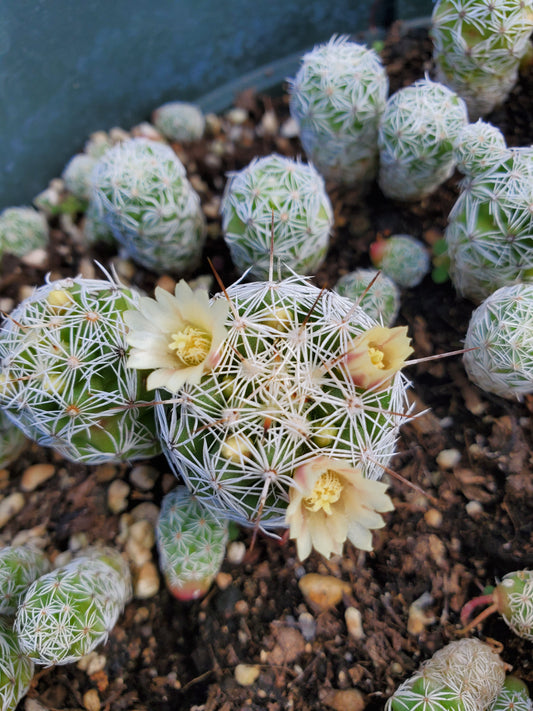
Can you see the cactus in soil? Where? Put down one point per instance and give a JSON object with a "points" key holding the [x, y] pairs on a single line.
{"points": [[63, 374], [337, 98], [301, 384], [77, 176], [374, 292], [402, 258], [512, 598], [66, 613], [466, 675], [417, 133], [501, 332], [514, 696], [22, 229], [16, 669], [489, 235], [179, 121], [192, 543], [477, 48], [19, 567], [141, 191], [281, 199], [13, 441]]}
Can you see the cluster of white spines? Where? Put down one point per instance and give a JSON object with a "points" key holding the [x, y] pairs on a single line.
{"points": [[16, 669], [22, 229], [63, 374], [337, 97], [19, 567], [375, 292], [279, 395], [179, 121], [77, 175], [417, 132], [283, 196], [141, 191]]}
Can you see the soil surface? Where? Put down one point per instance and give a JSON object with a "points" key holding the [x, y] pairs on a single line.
{"points": [[466, 524]]}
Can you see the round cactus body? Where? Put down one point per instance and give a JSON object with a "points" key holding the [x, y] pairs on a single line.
{"points": [[283, 195], [22, 229], [63, 374], [283, 393], [501, 332], [95, 228], [479, 147], [514, 599], [13, 441], [381, 301], [77, 175], [179, 121], [66, 613], [490, 228], [514, 696], [337, 98], [417, 133], [402, 258], [477, 47], [192, 543], [19, 567], [16, 669], [142, 193]]}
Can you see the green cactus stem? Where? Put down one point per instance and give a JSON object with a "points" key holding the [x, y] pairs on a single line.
{"points": [[19, 567], [16, 669]]}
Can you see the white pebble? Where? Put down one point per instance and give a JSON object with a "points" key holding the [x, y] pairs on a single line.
{"points": [[237, 116], [236, 552], [290, 129], [37, 258], [246, 674], [448, 458], [146, 581], [143, 477], [92, 663], [117, 496], [474, 508], [354, 623]]}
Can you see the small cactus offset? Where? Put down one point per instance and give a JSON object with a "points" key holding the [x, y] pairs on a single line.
{"points": [[63, 374], [376, 293], [501, 332], [513, 696], [22, 229], [13, 441], [276, 197], [477, 47], [142, 193], [16, 669], [192, 544], [402, 258], [19, 567], [417, 133], [66, 613], [179, 121], [479, 147], [337, 98], [77, 176]]}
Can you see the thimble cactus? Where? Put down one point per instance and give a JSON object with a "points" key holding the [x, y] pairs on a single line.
{"points": [[402, 258], [490, 226], [479, 146], [22, 229], [19, 567], [466, 675], [337, 98], [68, 612], [63, 374], [501, 332], [512, 598], [299, 374], [16, 669], [280, 196], [141, 191], [191, 542], [374, 292], [513, 696], [179, 121], [477, 48], [13, 441], [77, 175], [417, 132]]}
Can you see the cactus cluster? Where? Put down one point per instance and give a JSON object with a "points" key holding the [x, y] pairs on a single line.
{"points": [[141, 192], [281, 200], [337, 98], [22, 229], [374, 292], [417, 134], [402, 258], [63, 374], [77, 175], [179, 121], [477, 47]]}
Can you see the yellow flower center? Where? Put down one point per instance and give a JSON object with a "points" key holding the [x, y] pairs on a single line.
{"points": [[326, 491], [191, 345], [377, 357]]}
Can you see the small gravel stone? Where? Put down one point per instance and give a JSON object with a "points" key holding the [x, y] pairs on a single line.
{"points": [[146, 581], [34, 705], [354, 623], [37, 258], [10, 506], [236, 552], [247, 674], [143, 477], [91, 700], [117, 496], [344, 700], [35, 475], [448, 458], [147, 511], [474, 508], [92, 663], [237, 116], [289, 128], [433, 518], [223, 580], [307, 625], [141, 538], [323, 592]]}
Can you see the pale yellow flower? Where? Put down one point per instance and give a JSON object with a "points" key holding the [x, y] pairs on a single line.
{"points": [[177, 337], [331, 502], [376, 355]]}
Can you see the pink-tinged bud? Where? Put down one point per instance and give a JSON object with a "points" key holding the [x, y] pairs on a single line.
{"points": [[190, 590], [377, 251], [376, 355]]}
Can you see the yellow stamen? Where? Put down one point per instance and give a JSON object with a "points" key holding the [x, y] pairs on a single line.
{"points": [[326, 491], [377, 357], [191, 345]]}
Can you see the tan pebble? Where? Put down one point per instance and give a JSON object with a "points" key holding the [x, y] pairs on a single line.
{"points": [[212, 208], [354, 623], [396, 669], [323, 591], [117, 496], [142, 532], [269, 124], [212, 123], [6, 304], [91, 700], [344, 700], [147, 130], [146, 511], [290, 645], [125, 268], [236, 552], [37, 258], [35, 475], [198, 184], [117, 134], [433, 518], [35, 536], [25, 291], [437, 549], [242, 607], [86, 269], [418, 618], [92, 663], [105, 473], [10, 506], [78, 541], [143, 477], [448, 458], [474, 508], [146, 581], [34, 705], [237, 116], [167, 283], [223, 580], [246, 674]]}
